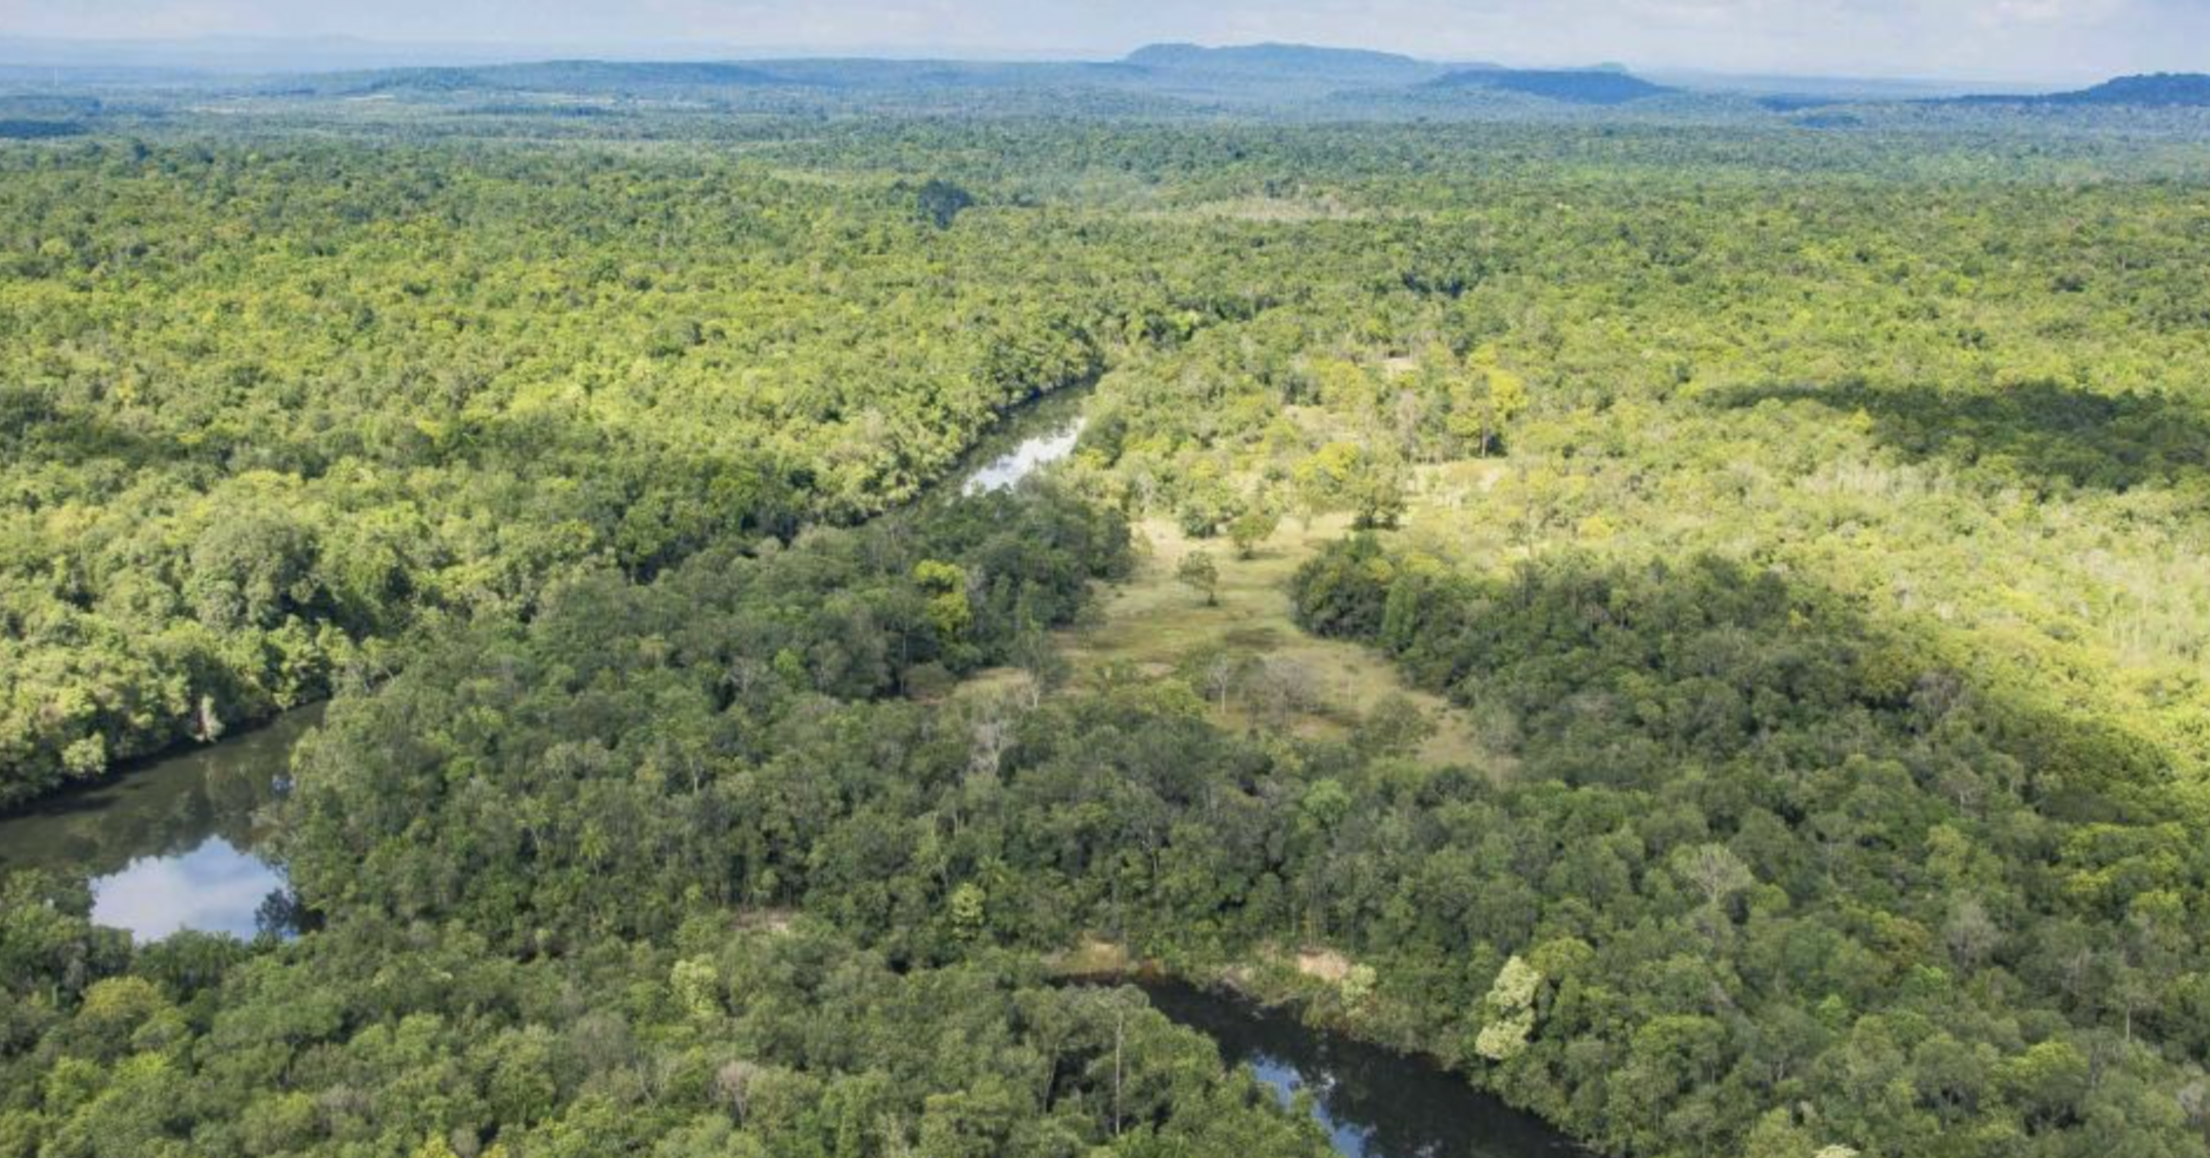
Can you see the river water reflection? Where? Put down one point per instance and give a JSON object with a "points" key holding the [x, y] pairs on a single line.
{"points": [[1374, 1103], [1033, 437], [170, 845], [1009, 469]]}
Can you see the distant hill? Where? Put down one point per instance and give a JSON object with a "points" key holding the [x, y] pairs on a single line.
{"points": [[2156, 90], [1286, 61], [1575, 86], [1166, 75], [26, 130], [565, 76]]}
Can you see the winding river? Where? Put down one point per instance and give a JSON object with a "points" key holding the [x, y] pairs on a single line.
{"points": [[1039, 434], [177, 844]]}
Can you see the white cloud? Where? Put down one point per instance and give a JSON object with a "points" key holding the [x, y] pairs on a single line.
{"points": [[214, 888]]}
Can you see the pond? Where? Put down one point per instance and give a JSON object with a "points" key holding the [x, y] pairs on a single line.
{"points": [[1373, 1102], [170, 844]]}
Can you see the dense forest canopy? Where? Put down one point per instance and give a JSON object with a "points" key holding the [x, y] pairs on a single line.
{"points": [[1804, 529], [262, 409]]}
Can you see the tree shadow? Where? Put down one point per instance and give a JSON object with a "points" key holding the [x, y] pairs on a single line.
{"points": [[1747, 723], [1624, 675], [2039, 434], [33, 426]]}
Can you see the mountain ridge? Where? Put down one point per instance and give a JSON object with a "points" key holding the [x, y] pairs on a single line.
{"points": [[1591, 86], [2139, 90], [1270, 59]]}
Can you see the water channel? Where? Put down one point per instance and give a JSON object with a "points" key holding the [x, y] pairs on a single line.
{"points": [[173, 843], [1373, 1102], [176, 844], [1042, 433]]}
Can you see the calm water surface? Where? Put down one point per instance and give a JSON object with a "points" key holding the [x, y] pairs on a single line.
{"points": [[1373, 1103], [171, 844], [1033, 437]]}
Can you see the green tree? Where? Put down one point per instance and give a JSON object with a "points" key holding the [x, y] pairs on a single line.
{"points": [[1508, 1012], [1253, 527], [1199, 573]]}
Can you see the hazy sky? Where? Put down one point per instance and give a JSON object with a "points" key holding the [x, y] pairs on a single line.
{"points": [[1970, 38]]}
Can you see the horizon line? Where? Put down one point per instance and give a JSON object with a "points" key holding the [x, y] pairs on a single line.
{"points": [[486, 53]]}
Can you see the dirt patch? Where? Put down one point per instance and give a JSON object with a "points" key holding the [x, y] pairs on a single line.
{"points": [[774, 922], [1325, 964], [1093, 957]]}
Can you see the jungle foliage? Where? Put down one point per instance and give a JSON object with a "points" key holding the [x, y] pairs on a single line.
{"points": [[1811, 529]]}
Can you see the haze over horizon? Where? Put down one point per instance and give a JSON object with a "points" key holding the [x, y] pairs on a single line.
{"points": [[1946, 39]]}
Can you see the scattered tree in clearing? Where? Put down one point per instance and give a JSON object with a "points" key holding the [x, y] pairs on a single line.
{"points": [[1200, 574], [1252, 528]]}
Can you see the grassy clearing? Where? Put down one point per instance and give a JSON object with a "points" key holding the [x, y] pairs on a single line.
{"points": [[1244, 651], [1312, 687]]}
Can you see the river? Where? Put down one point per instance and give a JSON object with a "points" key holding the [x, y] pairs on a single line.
{"points": [[173, 843], [1373, 1102], [176, 843], [1035, 436]]}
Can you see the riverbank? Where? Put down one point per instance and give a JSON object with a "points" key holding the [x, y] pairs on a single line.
{"points": [[1049, 413], [173, 841], [1373, 1100]]}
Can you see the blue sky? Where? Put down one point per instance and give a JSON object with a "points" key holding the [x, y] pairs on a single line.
{"points": [[2024, 39]]}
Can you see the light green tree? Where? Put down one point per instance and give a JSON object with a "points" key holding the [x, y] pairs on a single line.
{"points": [[697, 986], [969, 908], [1253, 527], [1200, 574], [1510, 1010]]}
